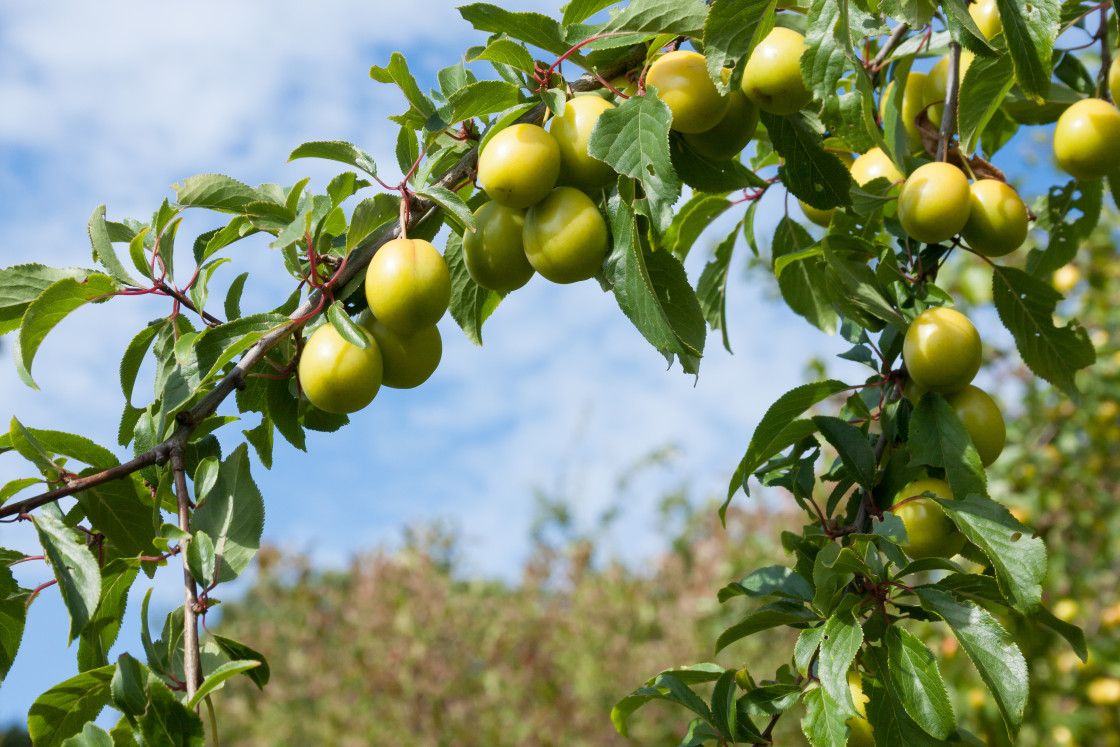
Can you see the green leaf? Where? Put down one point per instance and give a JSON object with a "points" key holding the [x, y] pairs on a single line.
{"points": [[885, 711], [103, 248], [471, 304], [508, 52], [705, 175], [852, 281], [90, 736], [455, 209], [711, 289], [233, 515], [665, 686], [914, 673], [724, 710], [806, 647], [63, 711], [283, 412], [232, 304], [992, 650], [1026, 307], [122, 511], [634, 139], [852, 446], [217, 679], [653, 291], [774, 580], [167, 721], [811, 173], [22, 284], [75, 569], [774, 431], [782, 612], [368, 215], [731, 31], [1030, 30], [337, 150], [690, 221], [842, 639], [98, 636], [482, 99], [1018, 558], [13, 611], [200, 289], [677, 17], [938, 438], [215, 192], [532, 28], [828, 45], [239, 651], [1074, 635], [52, 306], [578, 11], [129, 686], [421, 107], [201, 559], [802, 280], [134, 356], [1082, 198], [824, 723], [346, 327], [983, 89]]}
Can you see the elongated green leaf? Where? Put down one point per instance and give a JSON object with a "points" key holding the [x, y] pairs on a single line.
{"points": [[809, 171], [22, 284], [774, 580], [1026, 307], [134, 356], [346, 327], [690, 221], [938, 438], [711, 289], [824, 723], [52, 306], [983, 89], [1082, 199], [852, 446], [421, 107], [217, 678], [122, 511], [484, 98], [677, 17], [471, 304], [216, 192], [914, 673], [98, 636], [578, 11], [1030, 29], [1018, 558], [336, 150], [232, 514], [802, 281], [828, 45], [731, 31], [653, 291], [706, 175], [368, 215], [75, 569], [63, 711], [992, 650], [854, 282], [771, 435], [664, 686], [103, 251], [90, 736], [782, 612], [455, 209], [239, 651], [1074, 635], [13, 612], [808, 642], [532, 28], [843, 637], [634, 139], [201, 559], [167, 721], [507, 52], [129, 687], [891, 724]]}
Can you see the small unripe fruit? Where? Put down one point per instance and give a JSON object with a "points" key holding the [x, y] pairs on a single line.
{"points": [[772, 76], [942, 350], [336, 376], [408, 286], [982, 419], [731, 134], [519, 166], [861, 734], [987, 19], [997, 219], [872, 165], [682, 82], [937, 82], [1087, 139], [930, 533], [572, 130], [913, 101], [494, 252], [934, 202], [1065, 278], [407, 360], [565, 236], [1114, 78]]}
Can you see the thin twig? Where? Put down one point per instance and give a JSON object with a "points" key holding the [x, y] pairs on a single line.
{"points": [[1106, 58], [895, 38], [949, 111], [181, 298], [192, 657]]}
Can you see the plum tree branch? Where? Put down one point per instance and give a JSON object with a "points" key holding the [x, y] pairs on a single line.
{"points": [[358, 259], [893, 41], [949, 110], [192, 656]]}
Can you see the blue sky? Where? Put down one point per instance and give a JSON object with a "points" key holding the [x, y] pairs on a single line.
{"points": [[113, 103]]}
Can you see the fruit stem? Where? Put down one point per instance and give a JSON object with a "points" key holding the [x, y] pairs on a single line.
{"points": [[949, 114], [404, 212]]}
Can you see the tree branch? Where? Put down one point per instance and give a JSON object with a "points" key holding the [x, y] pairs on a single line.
{"points": [[949, 111], [178, 296], [423, 208], [895, 38], [1106, 57], [192, 657]]}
